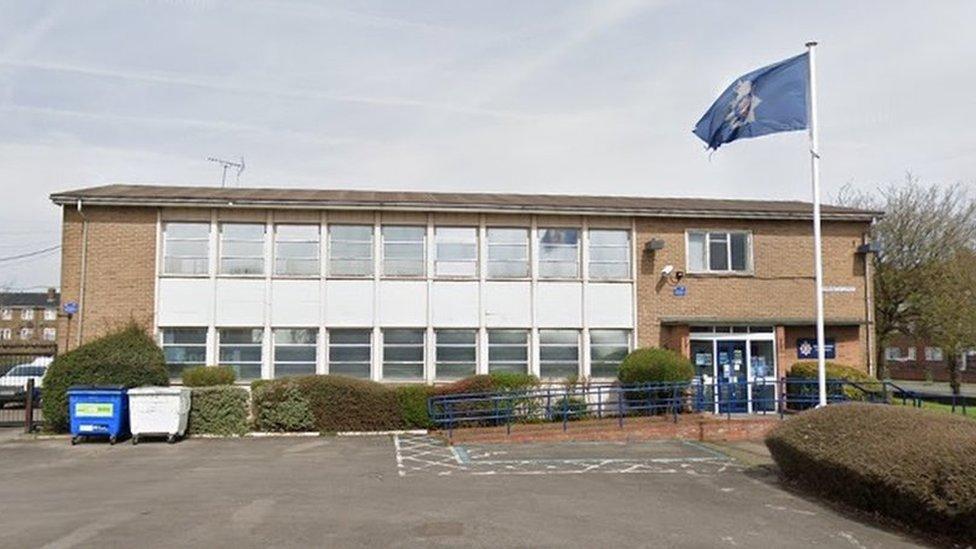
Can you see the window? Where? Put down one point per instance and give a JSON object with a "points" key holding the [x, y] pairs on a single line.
{"points": [[350, 352], [895, 354], [50, 334], [933, 354], [558, 353], [242, 249], [183, 348], [26, 333], [508, 253], [240, 348], [508, 351], [403, 250], [456, 251], [6, 313], [403, 354], [186, 248], [558, 253], [719, 252], [609, 254], [297, 250], [294, 351], [607, 349], [350, 250], [456, 353], [27, 314], [6, 333], [50, 314]]}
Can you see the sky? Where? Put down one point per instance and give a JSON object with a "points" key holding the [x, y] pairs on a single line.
{"points": [[541, 96]]}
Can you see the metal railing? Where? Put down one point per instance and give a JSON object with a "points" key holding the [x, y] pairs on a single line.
{"points": [[19, 397], [595, 401]]}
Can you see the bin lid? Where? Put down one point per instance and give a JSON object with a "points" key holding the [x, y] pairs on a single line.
{"points": [[112, 388], [155, 390]]}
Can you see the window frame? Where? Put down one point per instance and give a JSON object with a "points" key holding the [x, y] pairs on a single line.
{"points": [[259, 345], [6, 334], [330, 247], [318, 251], [314, 345], [423, 254], [930, 351], [330, 344], [475, 262], [750, 252], [579, 252], [527, 246], [543, 346], [27, 313], [50, 314], [183, 365], [437, 361], [163, 271], [29, 334], [384, 362], [630, 346], [590, 261], [527, 346], [221, 244], [53, 334]]}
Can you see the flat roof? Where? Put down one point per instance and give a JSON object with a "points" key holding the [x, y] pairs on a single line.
{"points": [[641, 206]]}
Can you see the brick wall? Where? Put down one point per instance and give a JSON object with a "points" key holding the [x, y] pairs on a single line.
{"points": [[120, 270]]}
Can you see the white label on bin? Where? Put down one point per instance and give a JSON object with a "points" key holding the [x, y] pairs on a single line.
{"points": [[94, 409]]}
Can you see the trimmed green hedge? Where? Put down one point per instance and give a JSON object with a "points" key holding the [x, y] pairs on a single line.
{"points": [[280, 407], [653, 365], [208, 376], [809, 371], [916, 466], [219, 410], [128, 357]]}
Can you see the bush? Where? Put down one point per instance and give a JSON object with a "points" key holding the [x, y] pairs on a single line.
{"points": [[574, 408], [809, 371], [412, 400], [652, 365], [219, 410], [916, 466], [512, 381], [208, 376], [128, 357], [281, 407], [336, 403]]}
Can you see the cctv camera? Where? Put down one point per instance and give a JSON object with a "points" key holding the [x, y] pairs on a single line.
{"points": [[667, 270]]}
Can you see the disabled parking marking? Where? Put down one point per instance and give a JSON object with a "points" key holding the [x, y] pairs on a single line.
{"points": [[422, 454]]}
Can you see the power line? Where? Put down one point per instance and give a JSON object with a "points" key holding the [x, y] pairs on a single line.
{"points": [[30, 254]]}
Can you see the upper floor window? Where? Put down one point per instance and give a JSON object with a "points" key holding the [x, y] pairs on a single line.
{"points": [[6, 313], [50, 334], [609, 254], [27, 314], [26, 333], [456, 251], [6, 333], [508, 253], [559, 253], [719, 251], [351, 250], [242, 248], [186, 248], [896, 354], [50, 314], [296, 250], [403, 250], [934, 354]]}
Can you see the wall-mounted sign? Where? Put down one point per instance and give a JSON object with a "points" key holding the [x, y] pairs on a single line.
{"points": [[839, 289], [70, 307], [680, 291], [806, 347]]}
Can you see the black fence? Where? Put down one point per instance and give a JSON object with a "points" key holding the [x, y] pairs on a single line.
{"points": [[20, 392]]}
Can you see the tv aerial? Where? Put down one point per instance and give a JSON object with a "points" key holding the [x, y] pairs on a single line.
{"points": [[228, 164]]}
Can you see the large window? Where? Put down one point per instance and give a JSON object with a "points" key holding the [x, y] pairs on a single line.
{"points": [[897, 354], [350, 352], [719, 251], [294, 351], [296, 250], [50, 314], [607, 350], [50, 334], [6, 313], [609, 254], [242, 248], [558, 353], [240, 348], [350, 250], [934, 354], [183, 348], [403, 250], [457, 353], [559, 253], [27, 314], [508, 253], [456, 251], [186, 248], [508, 351], [403, 354]]}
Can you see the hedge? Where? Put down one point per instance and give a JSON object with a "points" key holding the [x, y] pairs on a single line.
{"points": [[809, 371], [208, 376], [281, 407], [913, 465], [653, 365], [128, 357], [219, 410]]}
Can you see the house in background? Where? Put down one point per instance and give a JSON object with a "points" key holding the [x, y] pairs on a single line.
{"points": [[916, 360], [417, 286], [29, 319]]}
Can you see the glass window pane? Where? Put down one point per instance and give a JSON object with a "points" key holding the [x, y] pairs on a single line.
{"points": [[184, 335], [297, 232], [607, 349], [509, 352], [718, 259], [188, 230], [350, 250], [605, 237], [349, 354], [187, 248], [403, 234], [508, 336], [241, 335], [242, 231], [242, 249], [349, 337], [468, 337], [351, 268], [740, 251], [697, 254], [297, 250], [508, 252], [361, 233]]}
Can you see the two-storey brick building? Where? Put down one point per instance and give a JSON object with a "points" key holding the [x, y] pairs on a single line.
{"points": [[28, 318], [417, 286]]}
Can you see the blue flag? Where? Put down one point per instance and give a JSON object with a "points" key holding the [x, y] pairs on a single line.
{"points": [[769, 100]]}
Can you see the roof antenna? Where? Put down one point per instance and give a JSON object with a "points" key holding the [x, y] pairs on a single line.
{"points": [[228, 164]]}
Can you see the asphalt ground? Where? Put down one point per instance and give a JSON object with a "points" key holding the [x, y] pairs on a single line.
{"points": [[404, 491]]}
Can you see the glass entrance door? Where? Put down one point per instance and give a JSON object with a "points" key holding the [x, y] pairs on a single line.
{"points": [[732, 376]]}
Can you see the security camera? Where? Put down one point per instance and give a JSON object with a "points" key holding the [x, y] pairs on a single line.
{"points": [[667, 270]]}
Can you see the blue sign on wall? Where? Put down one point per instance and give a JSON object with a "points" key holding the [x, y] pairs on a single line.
{"points": [[806, 347], [70, 307], [680, 291]]}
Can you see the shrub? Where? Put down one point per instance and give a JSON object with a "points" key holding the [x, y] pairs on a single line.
{"points": [[336, 403], [281, 407], [512, 381], [809, 371], [412, 400], [219, 410], [913, 465], [208, 376], [572, 407], [128, 357], [652, 365]]}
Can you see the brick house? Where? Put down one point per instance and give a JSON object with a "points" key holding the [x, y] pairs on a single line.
{"points": [[419, 286], [29, 319], [918, 360]]}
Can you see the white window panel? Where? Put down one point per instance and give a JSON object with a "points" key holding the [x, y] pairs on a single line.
{"points": [[559, 355], [242, 248], [719, 252], [456, 353], [609, 254], [508, 252], [350, 352], [403, 354], [403, 250], [6, 314], [608, 348], [350, 250], [295, 351], [184, 348], [6, 334], [242, 350], [934, 354], [26, 333], [559, 253], [50, 314], [186, 248], [27, 314], [296, 250], [50, 334], [508, 351], [456, 251]]}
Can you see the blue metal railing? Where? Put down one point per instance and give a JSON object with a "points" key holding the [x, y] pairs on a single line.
{"points": [[573, 402]]}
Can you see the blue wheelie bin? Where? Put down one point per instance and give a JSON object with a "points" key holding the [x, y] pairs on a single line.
{"points": [[98, 411]]}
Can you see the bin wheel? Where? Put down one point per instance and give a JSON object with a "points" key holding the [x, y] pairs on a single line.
{"points": [[135, 440], [111, 440], [171, 439], [74, 440]]}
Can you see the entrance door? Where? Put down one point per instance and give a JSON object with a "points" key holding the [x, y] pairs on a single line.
{"points": [[732, 374]]}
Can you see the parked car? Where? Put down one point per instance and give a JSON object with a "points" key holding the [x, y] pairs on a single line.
{"points": [[13, 384]]}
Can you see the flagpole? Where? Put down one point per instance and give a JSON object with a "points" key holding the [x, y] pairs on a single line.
{"points": [[818, 259]]}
